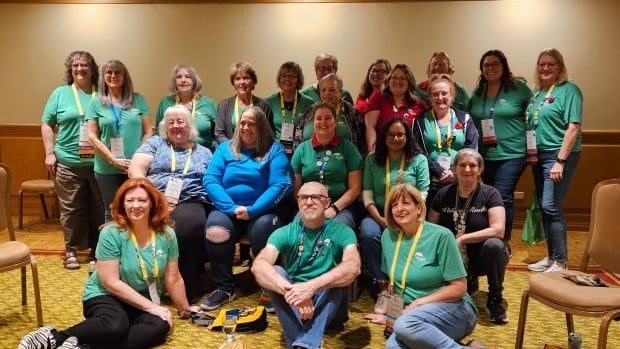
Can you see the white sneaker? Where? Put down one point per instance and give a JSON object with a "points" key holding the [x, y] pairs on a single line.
{"points": [[555, 267], [382, 303], [541, 265]]}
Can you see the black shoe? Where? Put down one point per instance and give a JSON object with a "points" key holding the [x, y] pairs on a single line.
{"points": [[472, 285], [495, 310], [216, 299]]}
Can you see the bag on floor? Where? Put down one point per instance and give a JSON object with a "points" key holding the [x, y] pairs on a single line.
{"points": [[533, 228], [250, 320]]}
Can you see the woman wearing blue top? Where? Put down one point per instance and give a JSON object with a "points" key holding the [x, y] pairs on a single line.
{"points": [[69, 156], [174, 159], [118, 122], [136, 259], [398, 159], [498, 107], [553, 119], [247, 180]]}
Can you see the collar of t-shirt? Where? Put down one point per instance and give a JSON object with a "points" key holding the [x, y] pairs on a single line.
{"points": [[333, 142]]}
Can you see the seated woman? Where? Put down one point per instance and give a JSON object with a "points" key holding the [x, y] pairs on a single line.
{"points": [[334, 162], [176, 163], [122, 298], [432, 288], [442, 131], [247, 181], [184, 86], [474, 212], [397, 160]]}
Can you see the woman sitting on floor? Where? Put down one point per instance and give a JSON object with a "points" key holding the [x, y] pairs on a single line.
{"points": [[136, 258]]}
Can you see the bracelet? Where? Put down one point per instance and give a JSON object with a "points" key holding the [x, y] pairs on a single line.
{"points": [[335, 208], [560, 161]]}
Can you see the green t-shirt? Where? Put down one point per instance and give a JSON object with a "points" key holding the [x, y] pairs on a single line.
{"points": [[312, 93], [415, 172], [204, 118], [303, 104], [436, 261], [61, 109], [508, 121], [566, 107], [460, 100], [130, 130], [430, 136], [344, 158], [336, 238], [115, 244]]}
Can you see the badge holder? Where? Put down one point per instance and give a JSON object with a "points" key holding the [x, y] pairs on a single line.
{"points": [[396, 304], [86, 150], [488, 132], [173, 190], [532, 152]]}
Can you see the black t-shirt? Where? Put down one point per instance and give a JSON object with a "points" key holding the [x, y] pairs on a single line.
{"points": [[485, 197]]}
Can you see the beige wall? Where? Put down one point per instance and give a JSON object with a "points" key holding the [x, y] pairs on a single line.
{"points": [[150, 39]]}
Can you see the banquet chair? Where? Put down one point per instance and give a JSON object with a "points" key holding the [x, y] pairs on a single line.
{"points": [[15, 254], [39, 187], [554, 290]]}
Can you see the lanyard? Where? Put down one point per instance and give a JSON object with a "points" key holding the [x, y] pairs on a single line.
{"points": [[177, 100], [322, 162], [173, 159], [117, 115], [315, 247], [537, 111], [409, 257], [236, 112], [145, 275], [438, 132], [77, 99], [484, 102], [283, 109], [399, 178]]}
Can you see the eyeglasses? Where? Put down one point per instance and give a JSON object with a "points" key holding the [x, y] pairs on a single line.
{"points": [[329, 69], [288, 76], [113, 73], [491, 65], [315, 198], [396, 135], [378, 71]]}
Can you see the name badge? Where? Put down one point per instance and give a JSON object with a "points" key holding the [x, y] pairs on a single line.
{"points": [[287, 133], [532, 152], [83, 132], [173, 190], [117, 147], [488, 132], [444, 161], [153, 293], [86, 150], [396, 304]]}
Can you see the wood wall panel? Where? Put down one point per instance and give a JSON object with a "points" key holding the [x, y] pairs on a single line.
{"points": [[22, 150]]}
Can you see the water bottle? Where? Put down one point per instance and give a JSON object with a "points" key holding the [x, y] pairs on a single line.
{"points": [[92, 267], [574, 340]]}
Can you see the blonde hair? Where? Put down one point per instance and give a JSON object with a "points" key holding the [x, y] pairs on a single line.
{"points": [[563, 74], [396, 193]]}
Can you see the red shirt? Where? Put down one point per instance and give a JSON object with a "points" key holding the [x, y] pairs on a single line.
{"points": [[388, 110]]}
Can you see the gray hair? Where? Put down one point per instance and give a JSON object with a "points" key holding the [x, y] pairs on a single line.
{"points": [[186, 114], [127, 89], [332, 77], [466, 152], [196, 80]]}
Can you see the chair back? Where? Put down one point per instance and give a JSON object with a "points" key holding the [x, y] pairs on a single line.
{"points": [[5, 207], [604, 236]]}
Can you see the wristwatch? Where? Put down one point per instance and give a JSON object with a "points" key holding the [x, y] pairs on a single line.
{"points": [[559, 160]]}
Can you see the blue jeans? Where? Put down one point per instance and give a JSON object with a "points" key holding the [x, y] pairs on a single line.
{"points": [[551, 199], [370, 242], [504, 175], [433, 326], [330, 310], [109, 184]]}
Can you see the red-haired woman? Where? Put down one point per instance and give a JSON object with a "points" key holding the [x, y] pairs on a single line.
{"points": [[136, 258]]}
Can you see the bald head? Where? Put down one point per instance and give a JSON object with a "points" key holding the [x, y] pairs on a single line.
{"points": [[310, 188]]}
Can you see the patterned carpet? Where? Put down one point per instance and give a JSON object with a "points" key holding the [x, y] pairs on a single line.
{"points": [[61, 292]]}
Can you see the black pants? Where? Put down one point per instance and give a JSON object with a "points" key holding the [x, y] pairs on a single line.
{"points": [[489, 258], [110, 323], [189, 221]]}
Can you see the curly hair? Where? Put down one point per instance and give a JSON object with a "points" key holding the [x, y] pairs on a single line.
{"points": [[92, 65]]}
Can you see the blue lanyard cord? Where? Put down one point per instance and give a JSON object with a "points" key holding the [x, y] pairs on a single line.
{"points": [[117, 116], [315, 247], [484, 102]]}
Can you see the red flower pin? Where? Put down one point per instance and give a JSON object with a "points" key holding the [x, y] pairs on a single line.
{"points": [[550, 100], [458, 126]]}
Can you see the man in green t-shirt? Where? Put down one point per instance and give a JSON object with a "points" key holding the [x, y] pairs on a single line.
{"points": [[320, 258]]}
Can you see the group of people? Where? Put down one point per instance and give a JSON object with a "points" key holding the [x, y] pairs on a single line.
{"points": [[211, 175]]}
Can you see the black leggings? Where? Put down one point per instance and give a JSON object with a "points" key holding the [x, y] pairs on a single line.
{"points": [[111, 323]]}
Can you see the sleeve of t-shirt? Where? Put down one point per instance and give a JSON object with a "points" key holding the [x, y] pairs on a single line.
{"points": [[51, 109], [388, 249], [374, 102], [438, 200], [494, 198], [449, 257], [298, 154], [422, 175], [574, 105], [140, 103], [150, 146], [368, 174], [92, 109], [278, 238], [353, 157], [346, 236], [109, 244], [173, 245], [160, 113]]}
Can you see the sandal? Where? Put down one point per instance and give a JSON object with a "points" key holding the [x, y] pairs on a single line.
{"points": [[202, 319], [71, 261]]}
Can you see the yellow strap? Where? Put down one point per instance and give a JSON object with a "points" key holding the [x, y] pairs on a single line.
{"points": [[236, 111], [537, 111], [177, 100], [409, 257], [438, 132], [173, 159], [283, 110], [388, 179], [145, 275], [77, 99]]}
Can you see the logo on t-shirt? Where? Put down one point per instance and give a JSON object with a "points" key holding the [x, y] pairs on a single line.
{"points": [[419, 256]]}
